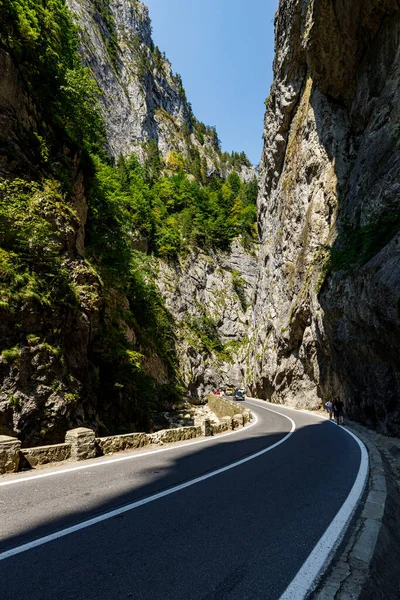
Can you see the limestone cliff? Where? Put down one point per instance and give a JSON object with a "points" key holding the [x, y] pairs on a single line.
{"points": [[210, 296], [144, 102], [142, 99], [327, 303]]}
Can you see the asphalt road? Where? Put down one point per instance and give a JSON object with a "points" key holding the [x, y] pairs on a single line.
{"points": [[241, 534]]}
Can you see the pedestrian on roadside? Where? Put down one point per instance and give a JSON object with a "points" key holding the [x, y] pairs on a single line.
{"points": [[334, 409], [329, 408], [339, 406]]}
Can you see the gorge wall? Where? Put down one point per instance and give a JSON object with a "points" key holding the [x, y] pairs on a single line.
{"points": [[211, 296], [327, 300], [142, 100], [208, 294], [113, 303]]}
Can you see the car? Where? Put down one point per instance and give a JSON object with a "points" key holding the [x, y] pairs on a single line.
{"points": [[240, 394], [230, 391]]}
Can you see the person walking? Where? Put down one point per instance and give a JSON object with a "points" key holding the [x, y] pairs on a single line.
{"points": [[329, 408], [339, 406]]}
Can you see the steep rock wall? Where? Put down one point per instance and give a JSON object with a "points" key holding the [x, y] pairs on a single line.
{"points": [[93, 349], [210, 297], [142, 99], [326, 314]]}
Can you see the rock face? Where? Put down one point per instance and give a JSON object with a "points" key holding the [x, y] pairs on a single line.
{"points": [[56, 358], [210, 297], [142, 100], [326, 316]]}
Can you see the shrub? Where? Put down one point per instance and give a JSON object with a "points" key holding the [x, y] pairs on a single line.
{"points": [[11, 354]]}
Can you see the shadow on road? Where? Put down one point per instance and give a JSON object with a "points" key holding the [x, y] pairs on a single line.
{"points": [[306, 453]]}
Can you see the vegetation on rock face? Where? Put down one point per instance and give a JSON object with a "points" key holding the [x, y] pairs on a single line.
{"points": [[207, 331], [355, 246], [102, 312], [32, 216], [43, 43], [102, 8]]}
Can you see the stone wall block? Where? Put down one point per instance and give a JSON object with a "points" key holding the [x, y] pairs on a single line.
{"points": [[228, 422], [179, 434], [221, 427], [9, 454], [119, 443], [43, 455], [207, 428], [248, 416], [83, 443], [237, 421]]}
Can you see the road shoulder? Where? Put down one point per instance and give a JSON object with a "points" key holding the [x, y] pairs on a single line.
{"points": [[366, 565]]}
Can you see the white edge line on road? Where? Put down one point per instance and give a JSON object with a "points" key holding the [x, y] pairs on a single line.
{"points": [[307, 578], [130, 456], [119, 511]]}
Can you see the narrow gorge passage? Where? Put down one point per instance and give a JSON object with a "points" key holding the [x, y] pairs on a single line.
{"points": [[244, 533], [151, 263]]}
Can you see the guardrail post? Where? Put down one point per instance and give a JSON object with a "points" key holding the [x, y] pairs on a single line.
{"points": [[9, 454], [206, 426], [83, 443]]}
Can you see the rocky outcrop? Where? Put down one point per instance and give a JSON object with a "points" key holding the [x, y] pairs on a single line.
{"points": [[142, 100], [326, 315], [210, 297]]}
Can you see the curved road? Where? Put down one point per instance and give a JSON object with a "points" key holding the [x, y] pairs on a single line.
{"points": [[233, 517]]}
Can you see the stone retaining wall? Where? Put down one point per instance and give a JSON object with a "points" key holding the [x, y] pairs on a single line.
{"points": [[42, 455], [133, 441], [223, 407], [119, 443], [82, 444], [167, 436]]}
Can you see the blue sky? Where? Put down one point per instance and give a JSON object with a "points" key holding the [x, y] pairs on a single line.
{"points": [[223, 50]]}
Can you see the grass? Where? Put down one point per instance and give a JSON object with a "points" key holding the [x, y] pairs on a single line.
{"points": [[14, 401]]}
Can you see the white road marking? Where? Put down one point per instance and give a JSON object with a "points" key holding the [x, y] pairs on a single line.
{"points": [[119, 511], [133, 455], [317, 562]]}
